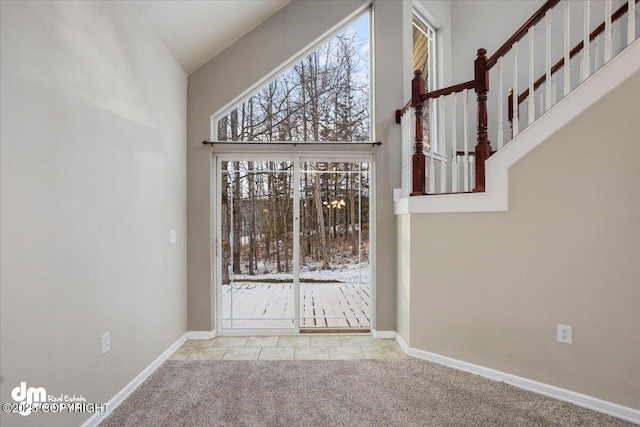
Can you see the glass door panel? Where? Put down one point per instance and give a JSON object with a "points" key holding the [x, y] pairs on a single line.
{"points": [[334, 265], [257, 288]]}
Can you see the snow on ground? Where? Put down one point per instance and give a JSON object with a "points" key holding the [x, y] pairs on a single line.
{"points": [[346, 273]]}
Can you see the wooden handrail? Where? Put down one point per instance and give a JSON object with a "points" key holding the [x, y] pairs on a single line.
{"points": [[435, 94], [448, 90], [400, 112], [409, 104], [577, 49], [522, 31]]}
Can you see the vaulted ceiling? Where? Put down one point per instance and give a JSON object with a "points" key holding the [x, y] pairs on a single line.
{"points": [[195, 31]]}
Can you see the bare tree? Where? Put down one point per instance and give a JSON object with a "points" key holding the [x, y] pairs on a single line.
{"points": [[324, 97]]}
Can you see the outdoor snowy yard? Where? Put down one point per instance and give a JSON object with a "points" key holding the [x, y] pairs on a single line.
{"points": [[328, 298]]}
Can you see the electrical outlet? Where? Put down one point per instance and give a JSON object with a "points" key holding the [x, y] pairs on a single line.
{"points": [[106, 343], [564, 334], [173, 236]]}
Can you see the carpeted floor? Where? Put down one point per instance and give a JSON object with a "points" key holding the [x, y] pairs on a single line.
{"points": [[337, 393]]}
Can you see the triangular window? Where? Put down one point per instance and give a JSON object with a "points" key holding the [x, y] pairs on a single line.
{"points": [[323, 97]]}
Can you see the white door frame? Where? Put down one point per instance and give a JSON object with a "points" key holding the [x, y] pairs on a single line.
{"points": [[295, 156]]}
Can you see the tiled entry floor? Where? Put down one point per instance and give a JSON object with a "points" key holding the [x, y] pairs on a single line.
{"points": [[316, 347]]}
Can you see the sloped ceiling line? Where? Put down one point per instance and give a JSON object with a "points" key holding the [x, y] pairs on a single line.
{"points": [[194, 31]]}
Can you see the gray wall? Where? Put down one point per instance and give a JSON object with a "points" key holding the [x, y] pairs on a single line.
{"points": [[93, 177], [487, 24], [240, 67], [392, 32], [403, 270], [490, 288]]}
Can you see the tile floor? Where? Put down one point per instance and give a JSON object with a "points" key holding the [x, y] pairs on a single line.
{"points": [[309, 347]]}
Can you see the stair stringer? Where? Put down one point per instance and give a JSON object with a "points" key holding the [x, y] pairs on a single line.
{"points": [[496, 197]]}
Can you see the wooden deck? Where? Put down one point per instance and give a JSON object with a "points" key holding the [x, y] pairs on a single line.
{"points": [[270, 305]]}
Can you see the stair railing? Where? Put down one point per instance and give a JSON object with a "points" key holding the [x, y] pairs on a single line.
{"points": [[450, 170], [603, 51]]}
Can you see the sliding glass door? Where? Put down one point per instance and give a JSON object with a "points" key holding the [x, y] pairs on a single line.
{"points": [[292, 250]]}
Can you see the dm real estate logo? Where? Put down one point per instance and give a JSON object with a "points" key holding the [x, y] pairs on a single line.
{"points": [[27, 397], [27, 400]]}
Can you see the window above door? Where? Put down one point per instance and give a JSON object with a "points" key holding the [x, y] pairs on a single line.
{"points": [[323, 97]]}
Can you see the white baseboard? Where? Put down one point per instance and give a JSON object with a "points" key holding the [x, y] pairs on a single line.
{"points": [[403, 345], [383, 334], [589, 402], [116, 400], [201, 335]]}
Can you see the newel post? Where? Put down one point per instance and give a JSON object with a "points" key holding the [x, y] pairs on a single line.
{"points": [[483, 147], [418, 160]]}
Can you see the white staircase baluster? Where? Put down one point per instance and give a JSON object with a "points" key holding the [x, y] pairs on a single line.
{"points": [[532, 103], [410, 134], [411, 130], [443, 147], [514, 122], [406, 169], [631, 22], [403, 171], [454, 144], [615, 30], [500, 113], [567, 48], [554, 89], [433, 105], [596, 49], [608, 40], [410, 139], [541, 96], [472, 168], [548, 62], [586, 57], [408, 125], [465, 160]]}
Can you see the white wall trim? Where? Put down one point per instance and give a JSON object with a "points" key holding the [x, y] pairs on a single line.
{"points": [[383, 334], [201, 335], [403, 345], [116, 400], [495, 199], [589, 402]]}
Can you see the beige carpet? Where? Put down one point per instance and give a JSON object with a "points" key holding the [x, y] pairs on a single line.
{"points": [[337, 393]]}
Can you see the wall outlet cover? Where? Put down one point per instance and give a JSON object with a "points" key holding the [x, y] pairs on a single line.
{"points": [[106, 343], [564, 334]]}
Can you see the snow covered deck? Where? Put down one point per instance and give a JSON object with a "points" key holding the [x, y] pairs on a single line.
{"points": [[270, 305]]}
